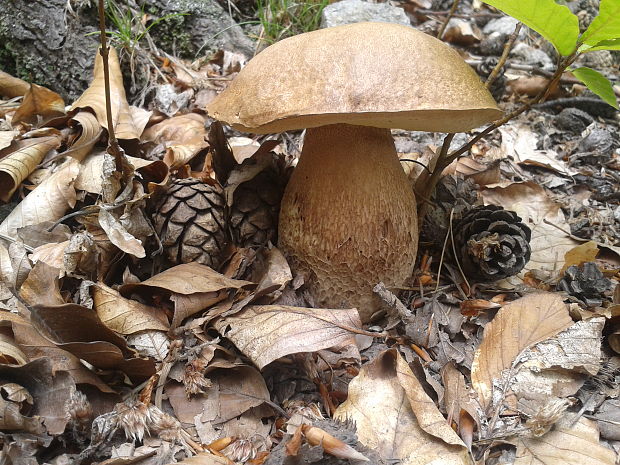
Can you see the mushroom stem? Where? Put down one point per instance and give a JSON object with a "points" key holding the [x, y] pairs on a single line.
{"points": [[348, 218]]}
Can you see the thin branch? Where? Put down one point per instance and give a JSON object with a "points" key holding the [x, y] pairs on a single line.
{"points": [[434, 178], [115, 149], [502, 60], [444, 25]]}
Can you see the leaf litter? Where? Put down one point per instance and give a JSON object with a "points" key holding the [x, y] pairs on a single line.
{"points": [[124, 357]]}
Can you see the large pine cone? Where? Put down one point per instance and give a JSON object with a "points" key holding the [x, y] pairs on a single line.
{"points": [[190, 221], [254, 213], [492, 243]]}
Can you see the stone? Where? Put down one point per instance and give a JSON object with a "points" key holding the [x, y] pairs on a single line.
{"points": [[357, 11], [47, 42], [532, 56], [504, 25]]}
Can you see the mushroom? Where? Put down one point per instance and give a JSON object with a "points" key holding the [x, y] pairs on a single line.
{"points": [[348, 217]]}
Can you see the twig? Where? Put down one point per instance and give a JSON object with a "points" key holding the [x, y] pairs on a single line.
{"points": [[115, 149], [12, 239], [456, 258], [417, 162], [443, 251], [444, 25], [502, 60], [435, 175], [392, 301], [444, 13]]}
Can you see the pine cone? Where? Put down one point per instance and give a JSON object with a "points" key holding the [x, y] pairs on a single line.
{"points": [[254, 212], [586, 283], [189, 219], [492, 243]]}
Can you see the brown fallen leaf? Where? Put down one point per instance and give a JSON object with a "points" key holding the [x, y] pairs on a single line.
{"points": [[20, 159], [125, 316], [333, 446], [11, 86], [91, 132], [189, 288], [516, 327], [566, 444], [36, 346], [394, 415], [49, 201], [94, 98], [119, 235], [265, 333], [532, 86], [42, 287], [90, 179], [579, 255], [39, 104], [460, 399], [78, 330]]}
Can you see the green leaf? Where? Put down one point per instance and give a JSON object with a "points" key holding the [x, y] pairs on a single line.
{"points": [[606, 26], [612, 44], [554, 22], [598, 84]]}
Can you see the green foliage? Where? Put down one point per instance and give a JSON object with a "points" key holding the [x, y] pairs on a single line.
{"points": [[559, 26], [597, 83], [285, 18], [606, 26], [554, 22], [129, 30]]}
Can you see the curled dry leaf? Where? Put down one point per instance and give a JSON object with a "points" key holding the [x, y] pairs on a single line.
{"points": [[520, 142], [36, 346], [7, 137], [79, 330], [516, 327], [90, 179], [265, 333], [334, 446], [49, 201], [459, 398], [566, 444], [41, 287], [190, 287], [11, 86], [20, 159], [119, 236], [91, 132], [205, 458], [125, 316], [579, 255], [183, 136], [49, 390], [39, 103], [543, 216], [394, 415], [94, 98]]}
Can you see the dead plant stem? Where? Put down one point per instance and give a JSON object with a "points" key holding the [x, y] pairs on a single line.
{"points": [[444, 25], [502, 60]]}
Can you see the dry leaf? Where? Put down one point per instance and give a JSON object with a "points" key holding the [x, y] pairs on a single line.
{"points": [[94, 98], [11, 86], [516, 327], [395, 417], [579, 255], [461, 32], [38, 102], [468, 167], [318, 437], [7, 137], [119, 236], [544, 217], [42, 287], [49, 201], [20, 159], [204, 458], [265, 333], [126, 316], [91, 132], [90, 179], [565, 445], [459, 397]]}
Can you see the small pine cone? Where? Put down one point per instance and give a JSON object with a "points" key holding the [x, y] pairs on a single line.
{"points": [[189, 219], [254, 213], [492, 243], [586, 283]]}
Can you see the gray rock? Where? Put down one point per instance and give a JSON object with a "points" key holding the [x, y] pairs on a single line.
{"points": [[504, 25], [532, 56], [37, 45], [357, 11], [45, 43], [205, 26]]}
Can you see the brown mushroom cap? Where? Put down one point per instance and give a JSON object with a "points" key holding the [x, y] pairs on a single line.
{"points": [[369, 74]]}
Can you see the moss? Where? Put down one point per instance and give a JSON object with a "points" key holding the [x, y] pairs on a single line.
{"points": [[171, 34]]}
